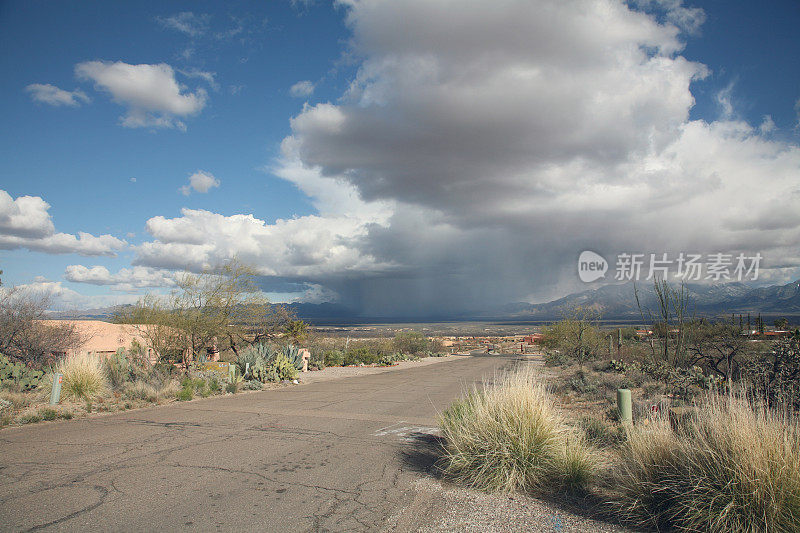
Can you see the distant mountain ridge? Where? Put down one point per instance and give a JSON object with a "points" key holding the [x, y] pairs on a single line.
{"points": [[612, 301], [619, 301]]}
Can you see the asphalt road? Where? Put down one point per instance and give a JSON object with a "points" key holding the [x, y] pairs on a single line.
{"points": [[342, 455]]}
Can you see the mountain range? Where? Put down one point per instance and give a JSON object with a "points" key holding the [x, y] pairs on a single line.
{"points": [[615, 301], [619, 301]]}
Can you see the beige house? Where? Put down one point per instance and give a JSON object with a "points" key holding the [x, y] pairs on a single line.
{"points": [[104, 338]]}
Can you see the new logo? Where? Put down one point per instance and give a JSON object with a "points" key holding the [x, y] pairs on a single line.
{"points": [[591, 266]]}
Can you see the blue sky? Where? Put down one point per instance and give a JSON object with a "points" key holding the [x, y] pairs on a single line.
{"points": [[373, 206]]}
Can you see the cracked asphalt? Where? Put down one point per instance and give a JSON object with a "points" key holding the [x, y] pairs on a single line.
{"points": [[338, 455]]}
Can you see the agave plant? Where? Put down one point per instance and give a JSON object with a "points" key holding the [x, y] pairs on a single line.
{"points": [[254, 359], [293, 355]]}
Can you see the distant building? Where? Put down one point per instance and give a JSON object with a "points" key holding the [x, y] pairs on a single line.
{"points": [[534, 338]]}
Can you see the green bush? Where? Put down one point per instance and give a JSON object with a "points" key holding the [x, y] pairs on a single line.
{"points": [[185, 394], [117, 369], [333, 358], [293, 356], [411, 342], [262, 363], [728, 467], [599, 432], [317, 360], [362, 355]]}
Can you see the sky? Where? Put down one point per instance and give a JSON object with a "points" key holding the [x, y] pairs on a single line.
{"points": [[401, 158]]}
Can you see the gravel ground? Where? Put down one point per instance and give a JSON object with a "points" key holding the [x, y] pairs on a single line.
{"points": [[439, 507]]}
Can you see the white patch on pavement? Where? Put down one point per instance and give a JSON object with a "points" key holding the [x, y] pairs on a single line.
{"points": [[406, 433]]}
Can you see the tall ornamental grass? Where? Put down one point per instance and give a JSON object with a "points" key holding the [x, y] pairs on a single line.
{"points": [[509, 436], [84, 378], [730, 466]]}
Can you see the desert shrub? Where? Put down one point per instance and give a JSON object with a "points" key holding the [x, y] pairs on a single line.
{"points": [[599, 432], [361, 356], [84, 378], [213, 385], [17, 400], [263, 363], [232, 388], [651, 389], [333, 358], [251, 385], [317, 360], [117, 369], [556, 358], [30, 418], [169, 389], [509, 436], [616, 365], [48, 413], [185, 394], [775, 374], [140, 390], [729, 467], [255, 359], [283, 368], [411, 342], [387, 360], [293, 356], [196, 385]]}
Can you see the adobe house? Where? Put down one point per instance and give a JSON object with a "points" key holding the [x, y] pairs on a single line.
{"points": [[104, 338]]}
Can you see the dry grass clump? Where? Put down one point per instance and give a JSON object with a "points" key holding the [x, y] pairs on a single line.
{"points": [[730, 467], [509, 436], [169, 390], [84, 378], [139, 390], [18, 400]]}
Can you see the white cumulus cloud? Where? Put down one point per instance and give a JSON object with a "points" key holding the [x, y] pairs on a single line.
{"points": [[50, 94], [126, 279], [26, 223], [200, 181], [151, 93]]}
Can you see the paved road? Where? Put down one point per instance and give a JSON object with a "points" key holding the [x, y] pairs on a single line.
{"points": [[330, 456]]}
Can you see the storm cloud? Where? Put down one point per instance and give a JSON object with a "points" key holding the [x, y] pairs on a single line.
{"points": [[481, 147]]}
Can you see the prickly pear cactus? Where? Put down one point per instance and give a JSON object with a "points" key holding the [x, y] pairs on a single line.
{"points": [[18, 374]]}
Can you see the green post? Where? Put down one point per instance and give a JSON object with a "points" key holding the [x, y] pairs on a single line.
{"points": [[55, 392], [232, 372], [625, 405]]}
